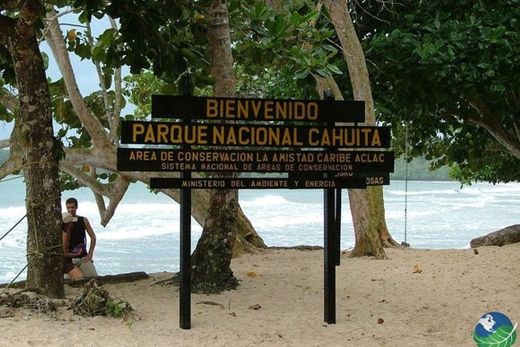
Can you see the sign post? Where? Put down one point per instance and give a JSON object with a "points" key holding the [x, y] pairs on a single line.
{"points": [[337, 225], [266, 136], [185, 256], [330, 255]]}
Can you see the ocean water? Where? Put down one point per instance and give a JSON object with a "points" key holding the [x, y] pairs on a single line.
{"points": [[143, 235]]}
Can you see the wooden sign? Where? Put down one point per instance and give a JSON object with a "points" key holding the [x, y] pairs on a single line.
{"points": [[221, 160], [193, 107], [296, 137]]}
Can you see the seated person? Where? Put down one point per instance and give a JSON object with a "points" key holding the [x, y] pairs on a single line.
{"points": [[78, 240]]}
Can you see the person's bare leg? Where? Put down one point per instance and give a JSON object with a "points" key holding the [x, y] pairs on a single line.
{"points": [[75, 273]]}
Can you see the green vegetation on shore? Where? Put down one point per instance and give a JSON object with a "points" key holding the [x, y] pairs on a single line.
{"points": [[419, 170]]}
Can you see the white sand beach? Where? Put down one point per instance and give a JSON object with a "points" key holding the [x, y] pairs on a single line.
{"points": [[379, 303]]}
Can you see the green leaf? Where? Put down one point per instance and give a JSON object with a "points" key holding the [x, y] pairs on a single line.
{"points": [[84, 17], [83, 51], [62, 132], [504, 336], [45, 59], [437, 23], [107, 79], [98, 52], [333, 68], [260, 10], [278, 25], [107, 37], [301, 74], [330, 48], [322, 73]]}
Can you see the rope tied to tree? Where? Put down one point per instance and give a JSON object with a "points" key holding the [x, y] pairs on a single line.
{"points": [[39, 253]]}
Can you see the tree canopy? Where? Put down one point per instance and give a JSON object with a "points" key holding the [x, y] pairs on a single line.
{"points": [[449, 70], [280, 52]]}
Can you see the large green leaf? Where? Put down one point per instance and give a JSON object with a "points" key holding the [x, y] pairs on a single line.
{"points": [[504, 336]]}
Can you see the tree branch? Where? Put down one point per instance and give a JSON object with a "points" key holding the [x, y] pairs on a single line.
{"points": [[9, 100], [323, 83], [58, 15], [93, 126], [4, 143], [79, 155], [11, 165], [114, 191], [102, 84], [486, 119], [353, 54], [51, 20], [370, 14], [117, 191], [118, 101], [100, 202], [516, 127], [15, 161], [86, 179]]}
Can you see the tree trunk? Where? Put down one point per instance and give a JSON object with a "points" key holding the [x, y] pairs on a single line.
{"points": [[44, 250], [211, 271], [367, 240], [211, 259], [367, 206]]}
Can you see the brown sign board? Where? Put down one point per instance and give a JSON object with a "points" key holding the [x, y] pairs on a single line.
{"points": [[201, 160], [358, 182], [250, 109], [264, 135]]}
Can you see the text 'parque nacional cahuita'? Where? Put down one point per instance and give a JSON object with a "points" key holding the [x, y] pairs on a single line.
{"points": [[255, 135]]}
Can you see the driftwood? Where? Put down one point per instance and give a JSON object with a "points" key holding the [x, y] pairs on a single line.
{"points": [[120, 278], [101, 280], [502, 237]]}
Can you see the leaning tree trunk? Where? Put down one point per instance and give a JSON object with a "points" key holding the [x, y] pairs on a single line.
{"points": [[367, 206], [211, 260], [44, 250]]}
